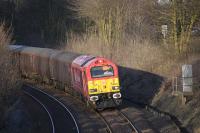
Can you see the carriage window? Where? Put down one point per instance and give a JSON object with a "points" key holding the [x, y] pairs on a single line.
{"points": [[102, 71]]}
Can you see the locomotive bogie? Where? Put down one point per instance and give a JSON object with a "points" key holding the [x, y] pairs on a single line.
{"points": [[106, 100]]}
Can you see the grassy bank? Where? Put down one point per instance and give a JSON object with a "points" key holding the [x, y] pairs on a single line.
{"points": [[188, 113]]}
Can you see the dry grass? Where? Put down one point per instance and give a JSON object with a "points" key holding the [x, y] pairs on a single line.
{"points": [[128, 32], [144, 55], [136, 54], [8, 72]]}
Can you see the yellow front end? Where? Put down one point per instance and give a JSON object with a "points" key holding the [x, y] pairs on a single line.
{"points": [[103, 86]]}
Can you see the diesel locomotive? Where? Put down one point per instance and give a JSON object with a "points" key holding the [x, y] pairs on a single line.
{"points": [[95, 79]]}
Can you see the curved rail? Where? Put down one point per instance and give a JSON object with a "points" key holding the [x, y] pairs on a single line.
{"points": [[110, 129], [50, 117], [72, 116], [130, 123]]}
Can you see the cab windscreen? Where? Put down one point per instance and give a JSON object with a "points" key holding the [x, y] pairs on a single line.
{"points": [[102, 71]]}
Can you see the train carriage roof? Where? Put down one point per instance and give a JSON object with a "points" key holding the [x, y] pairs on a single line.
{"points": [[16, 48], [46, 52], [13, 47], [31, 50], [42, 52], [67, 56]]}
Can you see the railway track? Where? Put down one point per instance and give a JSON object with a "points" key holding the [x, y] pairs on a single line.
{"points": [[117, 122], [62, 119], [158, 113]]}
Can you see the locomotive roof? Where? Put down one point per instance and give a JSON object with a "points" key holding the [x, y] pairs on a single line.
{"points": [[83, 59], [96, 59]]}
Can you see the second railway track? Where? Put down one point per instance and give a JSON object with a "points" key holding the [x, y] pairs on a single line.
{"points": [[117, 122], [61, 118]]}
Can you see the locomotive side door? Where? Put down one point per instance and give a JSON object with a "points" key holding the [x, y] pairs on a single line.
{"points": [[84, 77]]}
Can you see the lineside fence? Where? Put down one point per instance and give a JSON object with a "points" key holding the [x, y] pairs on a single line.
{"points": [[186, 84]]}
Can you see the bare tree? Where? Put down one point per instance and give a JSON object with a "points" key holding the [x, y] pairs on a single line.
{"points": [[115, 18], [181, 15]]}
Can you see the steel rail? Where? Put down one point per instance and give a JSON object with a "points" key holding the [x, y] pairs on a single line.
{"points": [[64, 106], [109, 128], [123, 116], [130, 123], [43, 106]]}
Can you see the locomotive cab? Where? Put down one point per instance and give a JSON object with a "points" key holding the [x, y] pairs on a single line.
{"points": [[103, 83], [97, 80]]}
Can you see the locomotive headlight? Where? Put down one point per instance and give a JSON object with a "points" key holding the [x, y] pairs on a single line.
{"points": [[93, 90], [115, 87], [117, 95], [94, 98]]}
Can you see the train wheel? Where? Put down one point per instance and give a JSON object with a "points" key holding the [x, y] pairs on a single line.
{"points": [[99, 109], [87, 103], [82, 98]]}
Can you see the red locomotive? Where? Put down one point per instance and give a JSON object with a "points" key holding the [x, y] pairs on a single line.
{"points": [[94, 78]]}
